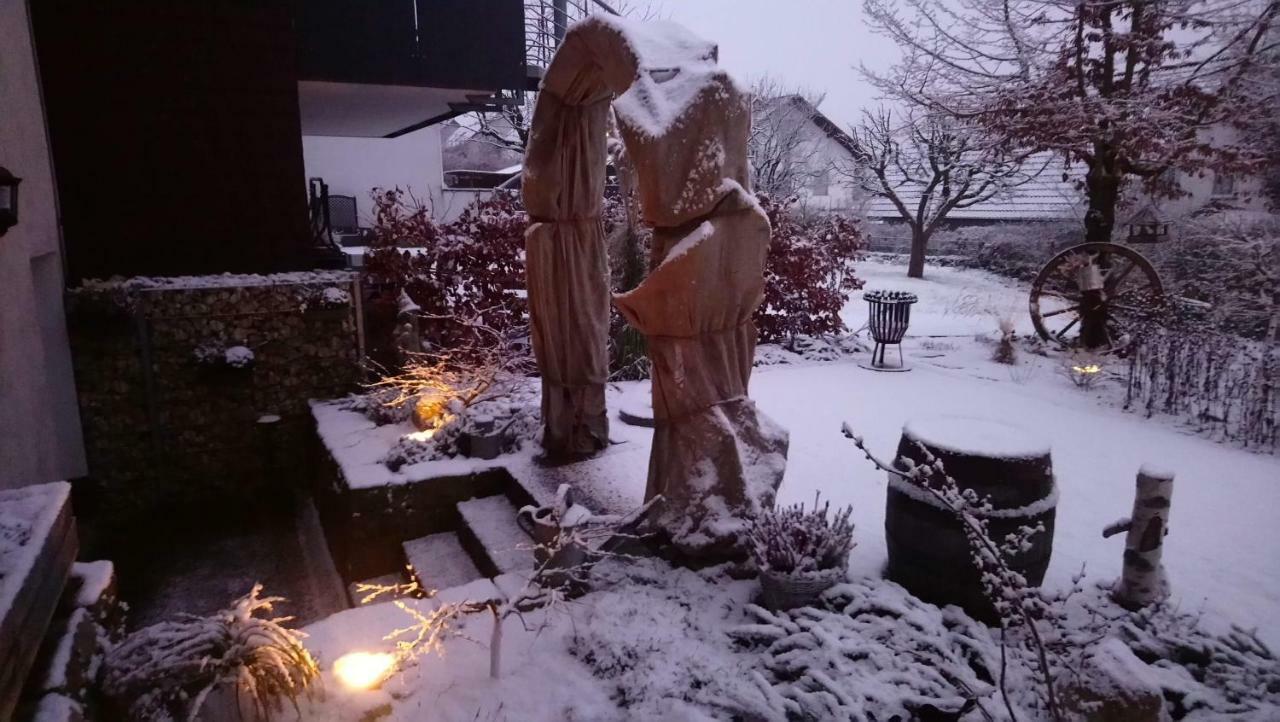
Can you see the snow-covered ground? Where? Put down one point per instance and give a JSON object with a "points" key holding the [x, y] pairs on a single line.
{"points": [[1220, 552]]}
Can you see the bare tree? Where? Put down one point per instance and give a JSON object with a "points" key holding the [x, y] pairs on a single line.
{"points": [[927, 166], [507, 128], [784, 147], [1127, 88]]}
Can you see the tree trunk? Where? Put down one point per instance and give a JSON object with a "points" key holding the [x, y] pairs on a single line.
{"points": [[1143, 581], [495, 643], [915, 266], [1102, 189]]}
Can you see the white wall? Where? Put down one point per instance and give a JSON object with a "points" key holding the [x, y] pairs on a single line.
{"points": [[842, 194], [39, 421], [354, 166]]}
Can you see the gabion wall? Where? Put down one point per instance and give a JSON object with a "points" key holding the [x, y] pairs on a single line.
{"points": [[195, 389]]}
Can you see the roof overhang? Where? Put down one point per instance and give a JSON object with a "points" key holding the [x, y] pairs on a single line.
{"points": [[360, 110]]}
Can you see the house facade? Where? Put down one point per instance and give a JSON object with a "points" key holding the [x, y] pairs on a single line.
{"points": [[799, 151], [162, 139], [40, 438]]}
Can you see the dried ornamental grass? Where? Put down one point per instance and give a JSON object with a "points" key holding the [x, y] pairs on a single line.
{"points": [[166, 671]]}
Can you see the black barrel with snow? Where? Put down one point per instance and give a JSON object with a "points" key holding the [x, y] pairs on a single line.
{"points": [[928, 551]]}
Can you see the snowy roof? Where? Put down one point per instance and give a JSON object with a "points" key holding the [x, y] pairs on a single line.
{"points": [[1045, 198], [810, 112]]}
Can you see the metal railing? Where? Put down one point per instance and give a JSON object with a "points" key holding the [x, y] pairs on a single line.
{"points": [[546, 21]]}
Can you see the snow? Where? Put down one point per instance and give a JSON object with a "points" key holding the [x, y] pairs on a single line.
{"points": [[655, 648], [976, 436], [645, 641], [223, 280], [675, 67], [238, 356], [915, 493], [1156, 472], [493, 521], [95, 578], [27, 514], [439, 561], [333, 296], [60, 662], [1120, 668], [1219, 551], [689, 242], [56, 708]]}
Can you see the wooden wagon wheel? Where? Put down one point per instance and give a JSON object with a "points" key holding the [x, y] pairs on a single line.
{"points": [[1127, 293]]}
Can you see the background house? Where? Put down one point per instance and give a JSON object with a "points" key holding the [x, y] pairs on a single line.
{"points": [[797, 151], [1051, 196], [1207, 192]]}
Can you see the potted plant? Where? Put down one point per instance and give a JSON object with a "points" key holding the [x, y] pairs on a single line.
{"points": [[800, 553]]}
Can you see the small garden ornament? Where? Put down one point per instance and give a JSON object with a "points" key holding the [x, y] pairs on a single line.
{"points": [[1143, 581], [800, 554], [552, 528]]}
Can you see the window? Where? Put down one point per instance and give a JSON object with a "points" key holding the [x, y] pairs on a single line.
{"points": [[821, 182], [1223, 185]]}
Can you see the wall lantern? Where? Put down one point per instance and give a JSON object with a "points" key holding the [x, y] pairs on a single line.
{"points": [[8, 200]]}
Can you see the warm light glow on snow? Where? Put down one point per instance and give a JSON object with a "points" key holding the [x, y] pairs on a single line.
{"points": [[422, 435], [1090, 369], [363, 670]]}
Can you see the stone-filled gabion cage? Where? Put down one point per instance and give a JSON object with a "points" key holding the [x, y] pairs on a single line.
{"points": [[195, 388]]}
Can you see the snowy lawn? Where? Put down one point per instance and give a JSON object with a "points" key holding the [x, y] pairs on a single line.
{"points": [[608, 655], [1221, 548]]}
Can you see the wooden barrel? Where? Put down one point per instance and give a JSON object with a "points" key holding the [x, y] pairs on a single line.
{"points": [[928, 551]]}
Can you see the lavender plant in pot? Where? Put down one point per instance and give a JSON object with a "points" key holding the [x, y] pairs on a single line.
{"points": [[800, 553]]}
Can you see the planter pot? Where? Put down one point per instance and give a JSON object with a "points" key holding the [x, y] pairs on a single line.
{"points": [[780, 591]]}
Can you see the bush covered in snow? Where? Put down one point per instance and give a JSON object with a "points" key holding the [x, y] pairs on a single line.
{"points": [[166, 671], [1014, 250], [793, 540], [809, 272], [1231, 263], [1223, 385]]}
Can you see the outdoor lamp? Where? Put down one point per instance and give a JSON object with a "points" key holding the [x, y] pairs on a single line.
{"points": [[364, 670], [8, 200]]}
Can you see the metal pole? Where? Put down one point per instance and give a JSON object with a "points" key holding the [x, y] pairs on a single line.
{"points": [[560, 19]]}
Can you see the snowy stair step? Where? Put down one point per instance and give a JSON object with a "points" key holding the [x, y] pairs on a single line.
{"points": [[491, 522], [438, 561]]}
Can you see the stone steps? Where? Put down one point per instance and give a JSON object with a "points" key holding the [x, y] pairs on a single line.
{"points": [[438, 561], [490, 534]]}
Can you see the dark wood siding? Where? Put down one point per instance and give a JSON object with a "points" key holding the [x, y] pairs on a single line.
{"points": [[175, 134], [471, 44]]}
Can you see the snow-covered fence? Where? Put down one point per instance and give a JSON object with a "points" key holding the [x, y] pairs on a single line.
{"points": [[1223, 385]]}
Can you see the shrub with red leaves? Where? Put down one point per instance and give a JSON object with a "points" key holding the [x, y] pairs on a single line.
{"points": [[809, 273], [469, 269]]}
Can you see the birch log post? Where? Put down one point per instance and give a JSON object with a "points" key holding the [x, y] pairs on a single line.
{"points": [[1142, 580]]}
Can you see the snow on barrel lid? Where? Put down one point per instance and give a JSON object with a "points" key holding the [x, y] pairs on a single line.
{"points": [[976, 436]]}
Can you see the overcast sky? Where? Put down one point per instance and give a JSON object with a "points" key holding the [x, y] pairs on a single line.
{"points": [[815, 44]]}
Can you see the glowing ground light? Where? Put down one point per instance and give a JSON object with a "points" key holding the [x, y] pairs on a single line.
{"points": [[1090, 369], [363, 670]]}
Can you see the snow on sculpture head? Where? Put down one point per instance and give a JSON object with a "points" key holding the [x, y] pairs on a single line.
{"points": [[685, 121]]}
